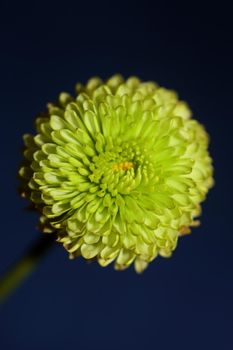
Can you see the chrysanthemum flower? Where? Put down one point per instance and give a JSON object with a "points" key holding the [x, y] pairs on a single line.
{"points": [[118, 171]]}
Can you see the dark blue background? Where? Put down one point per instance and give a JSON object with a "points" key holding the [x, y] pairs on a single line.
{"points": [[180, 303]]}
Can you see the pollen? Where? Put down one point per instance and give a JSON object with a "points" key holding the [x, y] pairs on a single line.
{"points": [[123, 166]]}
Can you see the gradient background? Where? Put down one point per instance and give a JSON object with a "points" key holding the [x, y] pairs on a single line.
{"points": [[180, 303]]}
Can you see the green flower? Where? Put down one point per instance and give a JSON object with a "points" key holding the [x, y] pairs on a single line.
{"points": [[119, 171]]}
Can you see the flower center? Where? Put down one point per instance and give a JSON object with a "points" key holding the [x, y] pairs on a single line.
{"points": [[121, 169]]}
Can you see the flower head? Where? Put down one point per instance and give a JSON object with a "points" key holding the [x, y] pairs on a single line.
{"points": [[119, 171]]}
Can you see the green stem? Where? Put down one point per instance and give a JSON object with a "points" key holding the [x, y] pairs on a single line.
{"points": [[24, 266]]}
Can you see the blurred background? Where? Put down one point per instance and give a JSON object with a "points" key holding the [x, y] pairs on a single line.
{"points": [[181, 303]]}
